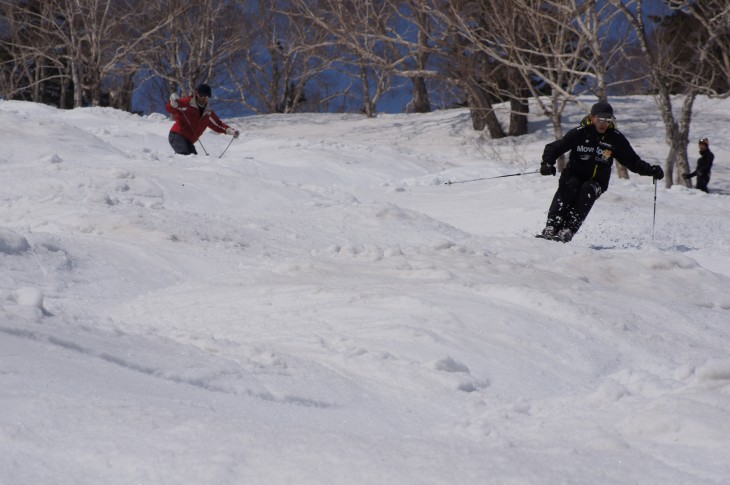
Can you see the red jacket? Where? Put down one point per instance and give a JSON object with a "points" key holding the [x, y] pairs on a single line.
{"points": [[191, 121]]}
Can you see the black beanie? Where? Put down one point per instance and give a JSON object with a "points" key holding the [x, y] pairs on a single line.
{"points": [[204, 90]]}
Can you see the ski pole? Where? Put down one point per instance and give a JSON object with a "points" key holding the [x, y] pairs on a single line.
{"points": [[653, 223], [450, 182], [229, 144], [191, 129]]}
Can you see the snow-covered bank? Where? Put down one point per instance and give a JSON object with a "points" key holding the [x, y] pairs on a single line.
{"points": [[318, 307]]}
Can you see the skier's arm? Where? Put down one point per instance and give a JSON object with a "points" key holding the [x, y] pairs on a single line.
{"points": [[215, 123], [172, 104], [643, 168], [176, 103], [555, 149], [629, 159], [627, 156]]}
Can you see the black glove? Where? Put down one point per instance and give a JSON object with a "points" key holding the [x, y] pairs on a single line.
{"points": [[547, 169], [686, 176], [656, 172]]}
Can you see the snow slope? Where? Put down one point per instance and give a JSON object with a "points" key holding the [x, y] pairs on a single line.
{"points": [[317, 306]]}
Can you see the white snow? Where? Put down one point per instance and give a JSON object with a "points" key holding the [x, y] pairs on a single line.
{"points": [[317, 306]]}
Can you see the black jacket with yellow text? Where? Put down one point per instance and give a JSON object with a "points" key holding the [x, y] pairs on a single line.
{"points": [[592, 153]]}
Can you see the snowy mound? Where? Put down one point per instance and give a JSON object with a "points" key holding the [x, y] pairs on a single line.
{"points": [[318, 306]]}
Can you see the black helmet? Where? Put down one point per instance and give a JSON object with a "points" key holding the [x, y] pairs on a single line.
{"points": [[203, 90], [602, 109], [705, 141]]}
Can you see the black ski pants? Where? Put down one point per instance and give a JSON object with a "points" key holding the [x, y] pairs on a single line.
{"points": [[181, 145], [572, 202], [702, 182]]}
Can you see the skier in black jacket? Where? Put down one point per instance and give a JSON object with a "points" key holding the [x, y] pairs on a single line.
{"points": [[593, 145], [704, 165]]}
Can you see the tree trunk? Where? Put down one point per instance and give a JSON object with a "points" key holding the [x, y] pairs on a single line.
{"points": [[519, 108], [556, 119], [671, 133], [94, 91], [482, 112], [621, 171], [121, 98], [421, 102], [78, 90], [682, 162], [369, 106], [39, 74], [679, 147], [677, 136], [63, 97], [669, 168]]}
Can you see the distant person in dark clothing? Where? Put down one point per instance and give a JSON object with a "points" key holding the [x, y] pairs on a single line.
{"points": [[593, 145], [192, 116], [704, 166]]}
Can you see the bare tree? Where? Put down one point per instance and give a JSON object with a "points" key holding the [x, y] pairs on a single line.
{"points": [[88, 46], [283, 64], [597, 24], [534, 39], [17, 64], [594, 22], [353, 26], [713, 16], [112, 34], [198, 40], [473, 71], [420, 54], [34, 54], [458, 63], [379, 42], [671, 73]]}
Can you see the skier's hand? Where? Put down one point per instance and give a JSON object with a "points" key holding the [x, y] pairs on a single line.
{"points": [[547, 169], [233, 132], [686, 176], [657, 172], [173, 100]]}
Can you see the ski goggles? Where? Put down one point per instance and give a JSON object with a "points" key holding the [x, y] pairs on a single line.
{"points": [[704, 141]]}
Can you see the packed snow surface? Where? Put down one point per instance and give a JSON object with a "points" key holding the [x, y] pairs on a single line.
{"points": [[319, 306]]}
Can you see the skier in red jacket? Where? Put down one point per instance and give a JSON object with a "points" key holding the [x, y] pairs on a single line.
{"points": [[192, 116]]}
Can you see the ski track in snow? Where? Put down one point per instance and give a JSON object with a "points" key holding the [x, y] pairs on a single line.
{"points": [[317, 306]]}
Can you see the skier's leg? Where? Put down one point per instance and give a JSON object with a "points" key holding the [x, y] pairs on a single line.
{"points": [[181, 145], [562, 203], [702, 183], [588, 193]]}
